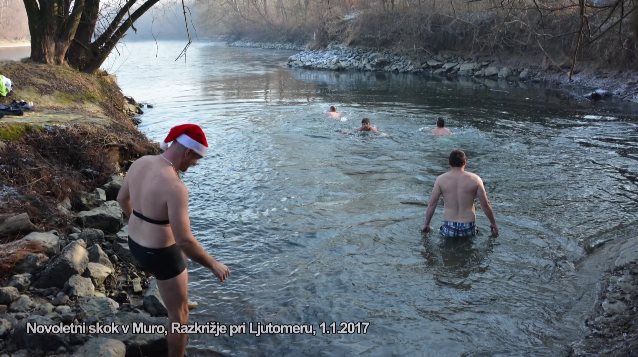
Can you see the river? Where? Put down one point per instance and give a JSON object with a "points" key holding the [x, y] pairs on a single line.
{"points": [[319, 224]]}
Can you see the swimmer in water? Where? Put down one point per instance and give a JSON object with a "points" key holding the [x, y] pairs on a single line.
{"points": [[440, 129], [333, 113], [366, 125]]}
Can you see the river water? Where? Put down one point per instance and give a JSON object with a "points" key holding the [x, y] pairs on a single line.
{"points": [[318, 224]]}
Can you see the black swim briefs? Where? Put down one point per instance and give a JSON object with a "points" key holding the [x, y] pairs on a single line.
{"points": [[164, 263]]}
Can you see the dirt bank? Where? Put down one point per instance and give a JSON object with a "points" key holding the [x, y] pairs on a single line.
{"points": [[78, 134]]}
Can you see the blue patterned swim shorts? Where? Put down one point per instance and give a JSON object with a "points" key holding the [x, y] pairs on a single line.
{"points": [[456, 229]]}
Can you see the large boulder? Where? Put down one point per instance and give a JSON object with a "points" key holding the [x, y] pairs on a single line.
{"points": [[73, 260], [15, 223], [14, 255], [107, 217]]}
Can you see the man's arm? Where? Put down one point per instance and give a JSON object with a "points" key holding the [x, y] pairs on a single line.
{"points": [[180, 225], [487, 207], [434, 200], [124, 198]]}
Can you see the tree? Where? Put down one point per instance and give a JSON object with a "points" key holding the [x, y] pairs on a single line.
{"points": [[66, 31]]}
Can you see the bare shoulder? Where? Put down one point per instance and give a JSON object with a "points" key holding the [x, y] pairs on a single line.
{"points": [[474, 177]]}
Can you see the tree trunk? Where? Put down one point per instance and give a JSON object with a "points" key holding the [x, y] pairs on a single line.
{"points": [[52, 28]]}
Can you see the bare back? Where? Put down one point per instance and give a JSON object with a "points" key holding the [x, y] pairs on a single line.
{"points": [[459, 189], [151, 181]]}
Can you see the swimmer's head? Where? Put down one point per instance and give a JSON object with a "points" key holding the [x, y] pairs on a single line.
{"points": [[457, 158], [333, 109], [365, 121], [440, 122]]}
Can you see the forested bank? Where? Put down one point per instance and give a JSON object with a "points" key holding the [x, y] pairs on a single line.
{"points": [[564, 34]]}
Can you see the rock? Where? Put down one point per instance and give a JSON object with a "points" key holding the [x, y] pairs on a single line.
{"points": [[73, 260], [5, 327], [8, 294], [84, 201], [137, 285], [61, 299], [490, 71], [22, 304], [140, 344], [32, 263], [98, 273], [112, 188], [102, 347], [123, 252], [43, 309], [153, 303], [524, 75], [98, 308], [107, 217], [92, 236], [48, 240], [79, 286], [628, 253], [11, 224], [598, 94], [20, 281], [97, 255], [504, 72], [434, 64], [614, 307], [37, 341], [467, 69]]}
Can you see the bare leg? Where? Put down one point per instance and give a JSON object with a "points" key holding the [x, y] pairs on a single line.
{"points": [[174, 293]]}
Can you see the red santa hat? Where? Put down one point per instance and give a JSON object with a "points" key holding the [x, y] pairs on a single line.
{"points": [[189, 135]]}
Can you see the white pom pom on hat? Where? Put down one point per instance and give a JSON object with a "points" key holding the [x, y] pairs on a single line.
{"points": [[190, 135]]}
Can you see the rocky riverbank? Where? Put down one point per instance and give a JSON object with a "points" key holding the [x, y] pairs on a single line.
{"points": [[590, 84], [68, 284], [79, 293]]}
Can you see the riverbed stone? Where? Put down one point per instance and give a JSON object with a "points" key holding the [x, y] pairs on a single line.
{"points": [[73, 260], [22, 304], [37, 341], [11, 224], [98, 308], [5, 327], [92, 236], [112, 188], [97, 255], [490, 71], [504, 73], [101, 347], [107, 217], [153, 303], [139, 344], [8, 294], [97, 273], [614, 307], [468, 69], [79, 286], [628, 253]]}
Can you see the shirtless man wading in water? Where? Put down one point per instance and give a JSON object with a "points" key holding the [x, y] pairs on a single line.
{"points": [[159, 227], [459, 188]]}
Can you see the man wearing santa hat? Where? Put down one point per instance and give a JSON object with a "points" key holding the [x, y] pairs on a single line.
{"points": [[159, 227]]}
